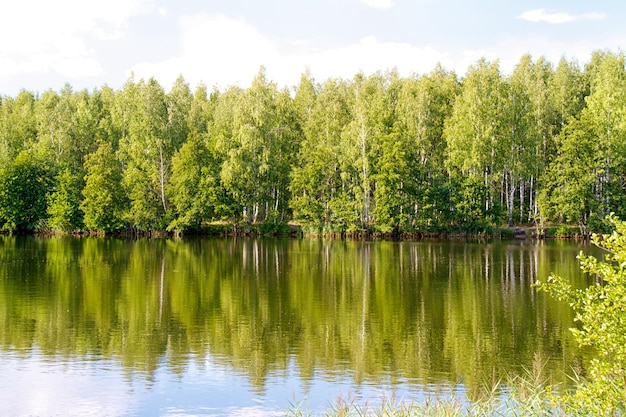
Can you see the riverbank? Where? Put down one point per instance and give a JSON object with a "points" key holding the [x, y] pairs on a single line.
{"points": [[295, 230], [223, 229]]}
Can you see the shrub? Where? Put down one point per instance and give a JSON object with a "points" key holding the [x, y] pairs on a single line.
{"points": [[601, 314]]}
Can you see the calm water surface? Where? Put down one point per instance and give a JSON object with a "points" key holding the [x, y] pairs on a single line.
{"points": [[231, 327]]}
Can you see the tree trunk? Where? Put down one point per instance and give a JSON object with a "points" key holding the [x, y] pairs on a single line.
{"points": [[162, 177], [521, 201], [510, 203], [366, 188]]}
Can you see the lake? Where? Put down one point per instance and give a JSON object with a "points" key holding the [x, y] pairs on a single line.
{"points": [[233, 327]]}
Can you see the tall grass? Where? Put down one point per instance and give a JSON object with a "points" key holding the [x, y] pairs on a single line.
{"points": [[518, 396]]}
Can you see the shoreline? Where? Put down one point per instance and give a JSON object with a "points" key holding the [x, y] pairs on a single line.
{"points": [[297, 231]]}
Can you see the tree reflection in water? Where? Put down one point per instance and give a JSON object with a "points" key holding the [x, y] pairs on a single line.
{"points": [[429, 313]]}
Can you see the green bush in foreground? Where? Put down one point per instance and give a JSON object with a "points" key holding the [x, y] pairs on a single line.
{"points": [[601, 314]]}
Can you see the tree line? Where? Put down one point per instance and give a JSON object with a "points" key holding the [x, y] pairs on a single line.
{"points": [[382, 153]]}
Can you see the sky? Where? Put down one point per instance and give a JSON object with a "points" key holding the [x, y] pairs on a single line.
{"points": [[219, 43]]}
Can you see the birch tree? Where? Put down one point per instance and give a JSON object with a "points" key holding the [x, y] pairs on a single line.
{"points": [[146, 151], [423, 105], [370, 120], [475, 136]]}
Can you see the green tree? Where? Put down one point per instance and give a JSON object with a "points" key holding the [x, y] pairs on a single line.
{"points": [[535, 80], [423, 105], [586, 179], [104, 202], [316, 177], [24, 185], [393, 179], [18, 127], [568, 191], [600, 314], [525, 116], [477, 138], [606, 111], [219, 137], [258, 152], [103, 104], [54, 124], [63, 204], [370, 119], [178, 101], [567, 89], [146, 149], [305, 98], [66, 126], [287, 136], [201, 110], [195, 189]]}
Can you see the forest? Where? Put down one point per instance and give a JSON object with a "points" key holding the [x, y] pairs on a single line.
{"points": [[543, 145]]}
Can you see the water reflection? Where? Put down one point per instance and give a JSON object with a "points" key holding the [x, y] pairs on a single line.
{"points": [[429, 314]]}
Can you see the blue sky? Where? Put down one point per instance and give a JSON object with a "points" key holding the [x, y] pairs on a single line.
{"points": [[90, 43]]}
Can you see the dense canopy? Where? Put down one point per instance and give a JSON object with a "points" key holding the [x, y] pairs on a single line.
{"points": [[377, 153]]}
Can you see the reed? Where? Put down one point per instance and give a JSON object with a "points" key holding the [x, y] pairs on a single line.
{"points": [[527, 395]]}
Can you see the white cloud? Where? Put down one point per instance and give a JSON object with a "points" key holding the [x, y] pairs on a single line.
{"points": [[222, 51], [52, 35], [378, 4], [85, 391], [509, 51], [369, 56], [543, 15], [215, 49]]}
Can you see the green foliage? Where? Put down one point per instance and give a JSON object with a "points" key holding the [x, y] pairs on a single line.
{"points": [[63, 204], [585, 180], [24, 186], [475, 130], [563, 231], [370, 109], [391, 197], [344, 213], [18, 129], [104, 200], [422, 107], [472, 211], [316, 178], [477, 139], [257, 151], [195, 190], [601, 321], [151, 137], [274, 229], [379, 153], [568, 194]]}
